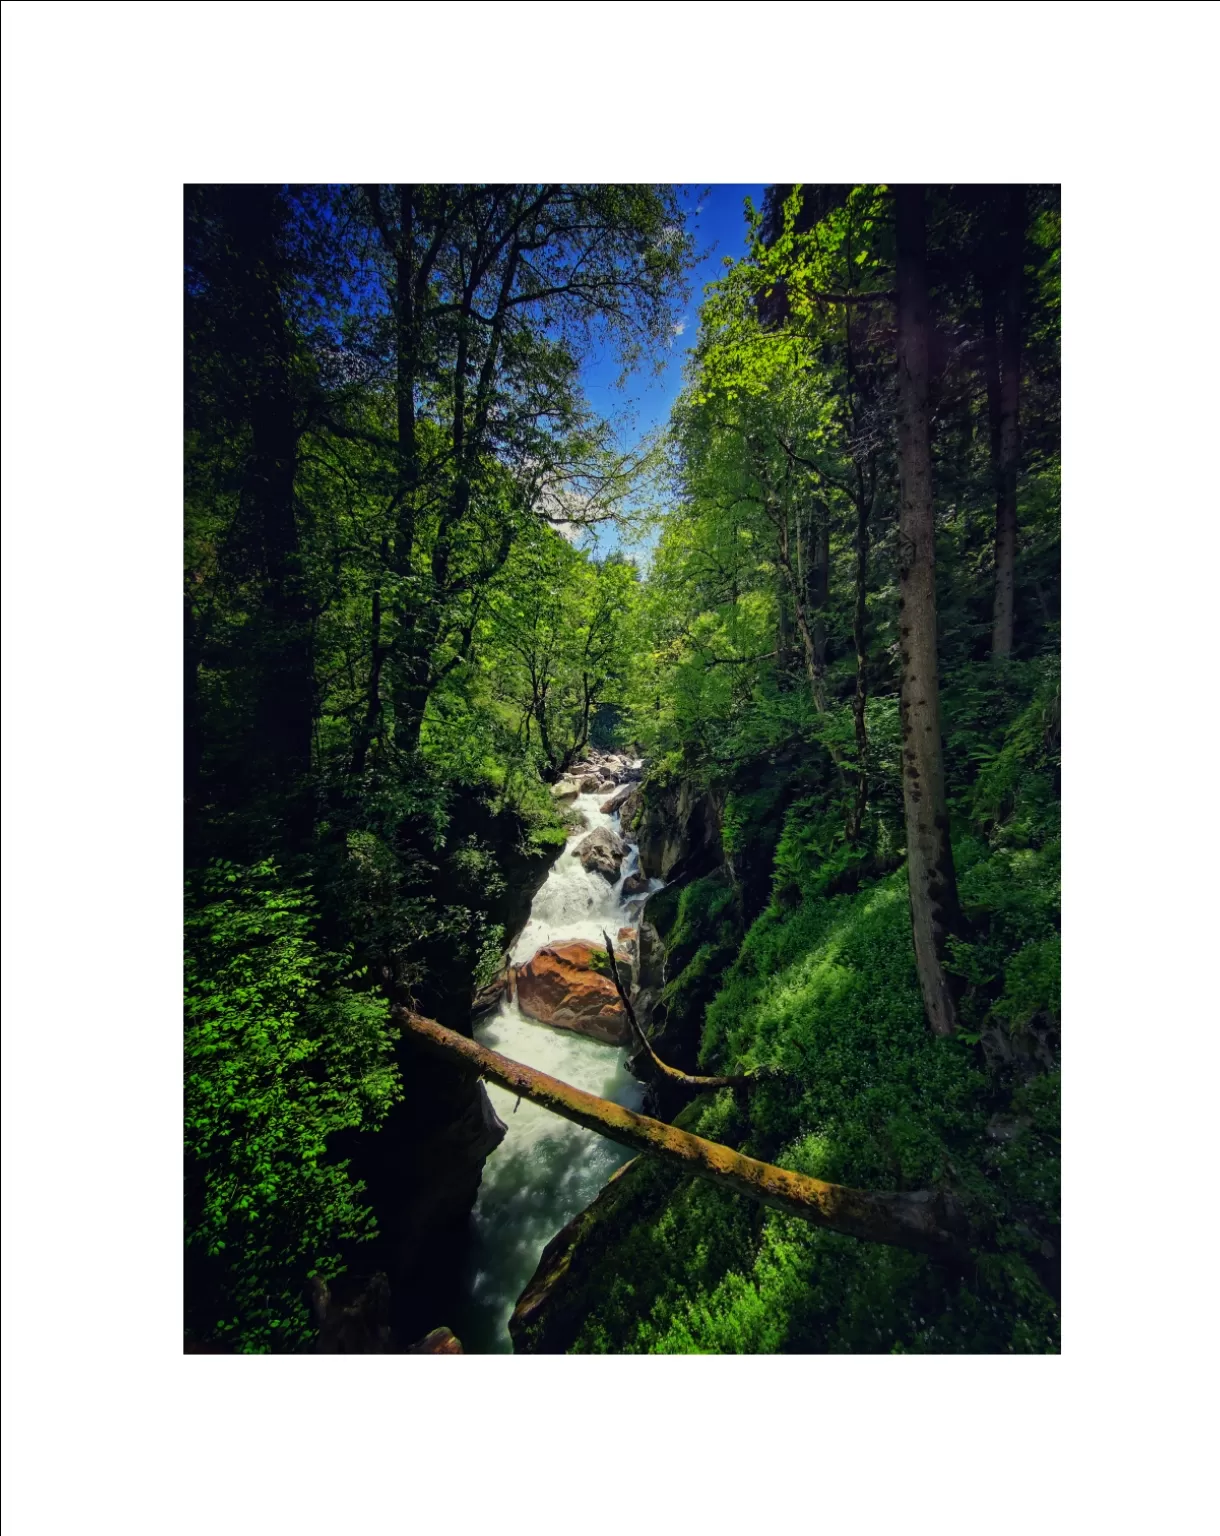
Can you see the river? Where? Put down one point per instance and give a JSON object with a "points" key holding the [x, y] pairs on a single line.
{"points": [[546, 1169]]}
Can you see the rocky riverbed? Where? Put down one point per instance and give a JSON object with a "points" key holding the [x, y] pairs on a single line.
{"points": [[554, 1007]]}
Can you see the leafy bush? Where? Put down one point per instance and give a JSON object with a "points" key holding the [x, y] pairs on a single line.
{"points": [[284, 1048], [825, 988]]}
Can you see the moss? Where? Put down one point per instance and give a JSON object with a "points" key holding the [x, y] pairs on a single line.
{"points": [[824, 986], [828, 991]]}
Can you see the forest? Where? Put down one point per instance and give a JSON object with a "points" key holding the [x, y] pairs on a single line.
{"points": [[720, 763]]}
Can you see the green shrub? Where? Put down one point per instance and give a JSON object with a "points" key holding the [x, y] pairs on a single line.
{"points": [[284, 1048]]}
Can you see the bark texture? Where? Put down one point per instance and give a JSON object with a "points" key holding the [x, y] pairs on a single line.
{"points": [[929, 854], [926, 1221], [1009, 431]]}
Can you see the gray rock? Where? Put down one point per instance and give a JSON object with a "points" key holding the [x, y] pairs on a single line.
{"points": [[678, 831], [630, 807], [602, 852], [608, 807]]}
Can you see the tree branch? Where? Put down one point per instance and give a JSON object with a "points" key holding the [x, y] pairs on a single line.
{"points": [[671, 1074], [884, 296], [927, 1221]]}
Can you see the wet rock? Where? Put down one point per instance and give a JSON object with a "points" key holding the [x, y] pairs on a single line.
{"points": [[490, 996], [361, 1327], [602, 853], [551, 1309], [626, 935], [678, 832], [652, 957], [565, 789], [560, 987], [590, 784], [439, 1342], [635, 885], [623, 792], [630, 807]]}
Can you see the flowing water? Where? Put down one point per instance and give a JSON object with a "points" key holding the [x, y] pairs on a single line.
{"points": [[546, 1169]]}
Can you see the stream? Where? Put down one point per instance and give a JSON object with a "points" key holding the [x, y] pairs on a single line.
{"points": [[546, 1169]]}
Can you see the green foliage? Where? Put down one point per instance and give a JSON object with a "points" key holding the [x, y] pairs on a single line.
{"points": [[284, 1049], [828, 991], [788, 407]]}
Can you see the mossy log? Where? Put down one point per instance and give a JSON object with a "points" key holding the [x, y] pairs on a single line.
{"points": [[926, 1221]]}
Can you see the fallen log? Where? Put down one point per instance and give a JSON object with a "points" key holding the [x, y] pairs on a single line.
{"points": [[663, 1069], [926, 1221]]}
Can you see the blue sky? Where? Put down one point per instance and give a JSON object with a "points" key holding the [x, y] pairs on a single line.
{"points": [[716, 217]]}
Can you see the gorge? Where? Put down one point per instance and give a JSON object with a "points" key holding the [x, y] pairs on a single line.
{"points": [[482, 681]]}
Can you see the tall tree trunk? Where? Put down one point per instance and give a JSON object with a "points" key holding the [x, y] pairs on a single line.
{"points": [[859, 630], [1010, 441], [863, 498], [778, 513], [192, 724], [283, 633], [284, 711], [991, 371], [410, 679], [933, 885], [368, 727], [819, 582]]}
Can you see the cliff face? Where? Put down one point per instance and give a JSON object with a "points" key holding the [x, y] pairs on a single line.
{"points": [[678, 832]]}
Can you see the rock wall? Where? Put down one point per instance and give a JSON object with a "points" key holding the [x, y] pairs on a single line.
{"points": [[678, 831]]}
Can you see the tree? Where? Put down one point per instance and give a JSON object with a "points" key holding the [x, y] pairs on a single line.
{"points": [[922, 1220], [564, 620], [495, 292], [247, 385], [1009, 440], [933, 884]]}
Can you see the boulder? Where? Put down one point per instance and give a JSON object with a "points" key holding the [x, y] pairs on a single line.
{"points": [[590, 784], [635, 885], [678, 832], [492, 994], [440, 1341], [559, 986], [565, 789], [626, 935], [602, 853], [630, 806], [652, 957], [359, 1326], [608, 807]]}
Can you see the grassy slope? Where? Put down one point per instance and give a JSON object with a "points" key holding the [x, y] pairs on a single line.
{"points": [[826, 988]]}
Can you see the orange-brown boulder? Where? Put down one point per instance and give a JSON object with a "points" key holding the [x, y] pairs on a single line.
{"points": [[560, 987], [440, 1341]]}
